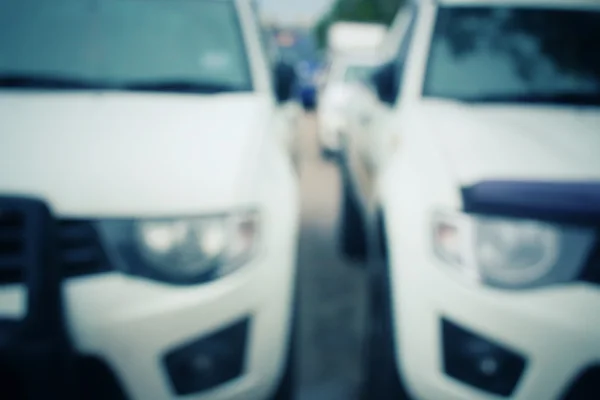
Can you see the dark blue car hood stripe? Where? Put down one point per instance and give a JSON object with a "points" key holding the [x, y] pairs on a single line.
{"points": [[565, 202]]}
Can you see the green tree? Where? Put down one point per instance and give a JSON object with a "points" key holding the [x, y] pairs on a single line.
{"points": [[382, 11]]}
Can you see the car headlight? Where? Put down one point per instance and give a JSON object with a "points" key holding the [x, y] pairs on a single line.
{"points": [[510, 253], [183, 250]]}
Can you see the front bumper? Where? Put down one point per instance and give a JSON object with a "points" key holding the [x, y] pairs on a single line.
{"points": [[555, 331], [132, 324]]}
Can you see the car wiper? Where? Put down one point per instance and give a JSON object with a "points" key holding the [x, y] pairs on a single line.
{"points": [[566, 98], [181, 86], [46, 81]]}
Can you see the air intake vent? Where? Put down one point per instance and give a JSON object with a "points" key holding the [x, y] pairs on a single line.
{"points": [[12, 245], [80, 249]]}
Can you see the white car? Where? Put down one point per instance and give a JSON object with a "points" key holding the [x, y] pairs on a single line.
{"points": [[154, 134], [343, 81], [481, 222], [364, 109], [345, 37]]}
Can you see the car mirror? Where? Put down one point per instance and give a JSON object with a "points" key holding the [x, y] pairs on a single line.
{"points": [[384, 82], [285, 81]]}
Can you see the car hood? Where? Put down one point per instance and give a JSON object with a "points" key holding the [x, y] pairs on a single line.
{"points": [[129, 154], [491, 142]]}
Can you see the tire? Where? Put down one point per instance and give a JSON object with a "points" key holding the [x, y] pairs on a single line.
{"points": [[352, 236], [287, 386], [382, 379], [327, 155]]}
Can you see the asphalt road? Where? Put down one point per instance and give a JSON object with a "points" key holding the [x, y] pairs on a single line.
{"points": [[332, 291]]}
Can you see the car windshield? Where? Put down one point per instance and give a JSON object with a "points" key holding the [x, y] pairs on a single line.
{"points": [[357, 73], [515, 55], [152, 45]]}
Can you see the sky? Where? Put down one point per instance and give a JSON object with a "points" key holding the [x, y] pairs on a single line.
{"points": [[294, 10]]}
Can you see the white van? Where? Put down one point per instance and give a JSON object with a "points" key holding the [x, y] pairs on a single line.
{"points": [[144, 154], [354, 37]]}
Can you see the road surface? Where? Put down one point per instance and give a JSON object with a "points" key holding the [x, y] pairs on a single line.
{"points": [[332, 297]]}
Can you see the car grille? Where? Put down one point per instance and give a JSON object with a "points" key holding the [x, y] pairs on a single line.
{"points": [[591, 272], [79, 247]]}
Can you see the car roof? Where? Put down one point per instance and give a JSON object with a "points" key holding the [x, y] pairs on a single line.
{"points": [[369, 58]]}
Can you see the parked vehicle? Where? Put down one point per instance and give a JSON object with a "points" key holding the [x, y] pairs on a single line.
{"points": [[365, 110], [144, 157], [354, 37], [346, 74], [481, 227], [349, 39]]}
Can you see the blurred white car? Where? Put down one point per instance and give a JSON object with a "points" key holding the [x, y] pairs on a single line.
{"points": [[153, 132], [354, 37], [481, 219], [344, 79], [365, 110]]}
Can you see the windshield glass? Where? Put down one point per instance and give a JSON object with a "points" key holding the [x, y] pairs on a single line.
{"points": [[358, 73], [514, 54], [174, 45]]}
